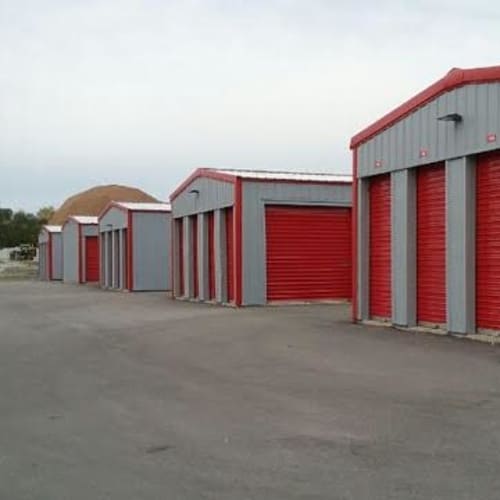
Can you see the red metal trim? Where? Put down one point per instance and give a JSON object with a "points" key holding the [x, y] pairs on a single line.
{"points": [[238, 236], [454, 79], [354, 223], [80, 255], [202, 172], [130, 252], [49, 247]]}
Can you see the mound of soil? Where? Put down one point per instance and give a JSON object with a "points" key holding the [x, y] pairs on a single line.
{"points": [[93, 201]]}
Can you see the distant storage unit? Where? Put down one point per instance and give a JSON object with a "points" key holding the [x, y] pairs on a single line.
{"points": [[80, 235], [427, 208], [254, 237], [50, 253], [135, 246]]}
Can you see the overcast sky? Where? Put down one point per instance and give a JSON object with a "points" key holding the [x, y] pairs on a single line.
{"points": [[142, 92]]}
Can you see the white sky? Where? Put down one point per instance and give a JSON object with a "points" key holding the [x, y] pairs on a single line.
{"points": [[142, 92]]}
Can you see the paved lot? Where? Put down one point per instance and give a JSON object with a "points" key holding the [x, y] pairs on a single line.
{"points": [[107, 395]]}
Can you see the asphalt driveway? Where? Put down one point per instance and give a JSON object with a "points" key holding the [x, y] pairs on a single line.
{"points": [[107, 395]]}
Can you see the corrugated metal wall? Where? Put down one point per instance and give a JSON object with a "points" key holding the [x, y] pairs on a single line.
{"points": [[57, 256], [151, 250], [43, 269], [202, 195], [421, 139], [70, 252]]}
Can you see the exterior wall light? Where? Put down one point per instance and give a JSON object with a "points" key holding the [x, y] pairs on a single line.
{"points": [[451, 117]]}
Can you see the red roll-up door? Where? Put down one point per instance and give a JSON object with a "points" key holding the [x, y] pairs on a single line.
{"points": [[91, 259], [180, 239], [380, 247], [488, 241], [211, 256], [308, 253], [194, 239], [431, 244], [230, 254]]}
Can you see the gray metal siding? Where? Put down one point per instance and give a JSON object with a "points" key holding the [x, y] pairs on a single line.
{"points": [[70, 252], [213, 194], [255, 197], [151, 250], [403, 251], [114, 218], [57, 256], [42, 261], [363, 257], [399, 146], [460, 244], [43, 237], [90, 230]]}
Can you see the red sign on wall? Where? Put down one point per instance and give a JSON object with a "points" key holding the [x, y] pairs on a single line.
{"points": [[491, 137]]}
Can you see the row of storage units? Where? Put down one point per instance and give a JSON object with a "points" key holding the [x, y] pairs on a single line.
{"points": [[50, 253], [427, 208], [126, 248], [254, 237], [80, 249], [135, 240]]}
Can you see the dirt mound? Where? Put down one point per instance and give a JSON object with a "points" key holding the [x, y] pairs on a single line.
{"points": [[93, 201]]}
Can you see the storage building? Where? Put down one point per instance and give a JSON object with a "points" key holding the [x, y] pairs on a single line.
{"points": [[50, 253], [135, 246], [427, 208], [254, 237], [80, 235]]}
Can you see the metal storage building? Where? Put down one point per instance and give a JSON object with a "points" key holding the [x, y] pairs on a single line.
{"points": [[135, 246], [50, 253], [427, 208], [80, 236], [253, 237]]}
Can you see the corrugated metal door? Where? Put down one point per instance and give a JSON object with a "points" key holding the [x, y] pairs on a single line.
{"points": [[488, 241], [194, 239], [230, 254], [91, 259], [431, 244], [180, 239], [211, 256], [308, 253], [380, 247]]}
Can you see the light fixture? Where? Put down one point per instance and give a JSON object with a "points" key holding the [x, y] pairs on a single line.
{"points": [[451, 117], [194, 191]]}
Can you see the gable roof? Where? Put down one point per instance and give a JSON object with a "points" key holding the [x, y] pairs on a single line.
{"points": [[452, 80], [148, 207], [230, 175], [52, 229], [84, 219]]}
